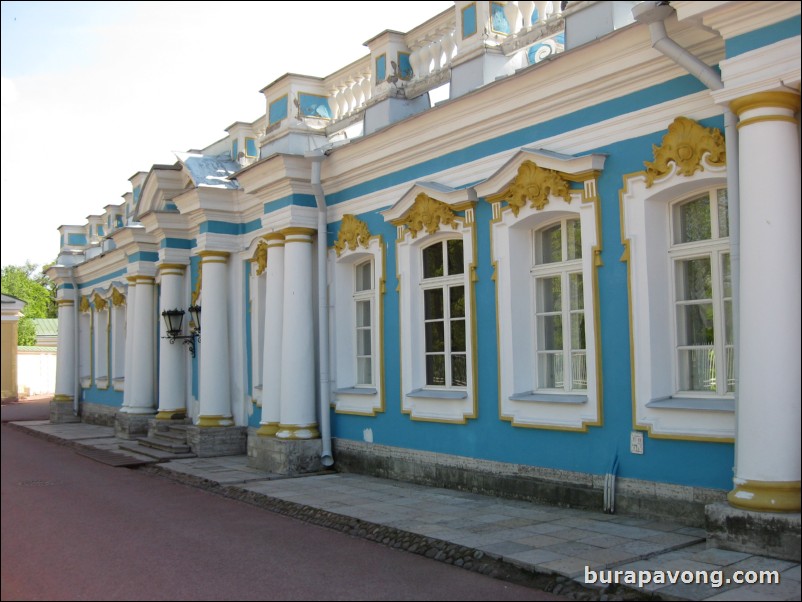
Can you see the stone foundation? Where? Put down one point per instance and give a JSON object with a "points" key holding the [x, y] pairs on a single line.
{"points": [[61, 412], [158, 425], [284, 456], [762, 533], [647, 499], [98, 413], [131, 426], [213, 441]]}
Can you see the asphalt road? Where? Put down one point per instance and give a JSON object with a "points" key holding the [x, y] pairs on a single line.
{"points": [[75, 529]]}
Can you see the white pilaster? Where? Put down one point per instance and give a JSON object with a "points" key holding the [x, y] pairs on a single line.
{"points": [[65, 354], [767, 453], [215, 397], [172, 356], [130, 327], [297, 343], [142, 388], [274, 317]]}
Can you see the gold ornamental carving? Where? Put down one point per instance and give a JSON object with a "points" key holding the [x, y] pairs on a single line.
{"points": [[685, 144], [100, 303], [353, 233], [429, 214], [260, 258], [198, 285], [534, 184], [85, 304], [117, 298]]}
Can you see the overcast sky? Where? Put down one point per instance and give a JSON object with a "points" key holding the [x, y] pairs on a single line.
{"points": [[93, 92]]}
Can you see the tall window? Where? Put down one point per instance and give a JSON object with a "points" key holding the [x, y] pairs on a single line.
{"points": [[702, 293], [443, 287], [363, 303], [559, 307]]}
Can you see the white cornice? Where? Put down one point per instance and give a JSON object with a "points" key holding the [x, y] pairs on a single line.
{"points": [[262, 178], [736, 18]]}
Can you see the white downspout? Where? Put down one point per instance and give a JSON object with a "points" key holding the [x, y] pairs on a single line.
{"points": [[326, 457], [76, 397], [655, 13]]}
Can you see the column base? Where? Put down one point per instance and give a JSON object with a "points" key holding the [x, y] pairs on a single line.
{"points": [[139, 410], [762, 533], [178, 414], [210, 441], [766, 496], [298, 431], [268, 429], [214, 421], [284, 456], [131, 426], [61, 410]]}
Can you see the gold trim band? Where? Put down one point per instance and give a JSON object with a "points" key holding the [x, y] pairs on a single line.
{"points": [[176, 414], [65, 302], [298, 431], [211, 421], [781, 100], [766, 496], [295, 230], [59, 398], [759, 118], [268, 430], [172, 266]]}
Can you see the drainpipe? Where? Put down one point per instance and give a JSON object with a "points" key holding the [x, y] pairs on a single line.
{"points": [[76, 397], [326, 457], [654, 14]]}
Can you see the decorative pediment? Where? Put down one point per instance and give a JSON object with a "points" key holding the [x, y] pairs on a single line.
{"points": [[353, 233], [260, 257], [117, 298], [100, 303], [534, 184], [685, 145], [427, 214]]}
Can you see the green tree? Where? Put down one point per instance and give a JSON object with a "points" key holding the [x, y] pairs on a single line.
{"points": [[29, 283]]}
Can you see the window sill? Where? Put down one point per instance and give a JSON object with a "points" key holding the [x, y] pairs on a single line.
{"points": [[356, 391], [550, 398], [437, 394], [693, 403]]}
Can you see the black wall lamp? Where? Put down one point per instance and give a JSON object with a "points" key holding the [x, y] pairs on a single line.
{"points": [[173, 320]]}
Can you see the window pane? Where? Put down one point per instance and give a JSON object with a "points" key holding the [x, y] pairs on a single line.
{"points": [[723, 214], [363, 346], [455, 261], [692, 221], [364, 276], [458, 335], [457, 307], [695, 324], [433, 304], [436, 370], [578, 331], [697, 369], [364, 371], [574, 239], [579, 371], [433, 261], [363, 317], [728, 322], [577, 296], [548, 294], [730, 369], [550, 370], [726, 274], [459, 372], [551, 333], [695, 279], [549, 244], [435, 337]]}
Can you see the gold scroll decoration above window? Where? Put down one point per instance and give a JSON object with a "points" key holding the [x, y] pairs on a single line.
{"points": [[85, 304], [260, 257], [117, 298], [534, 184], [685, 144], [429, 214], [100, 303], [353, 233]]}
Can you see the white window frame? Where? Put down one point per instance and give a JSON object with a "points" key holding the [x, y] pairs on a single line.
{"points": [[647, 236], [523, 402], [351, 397], [85, 330], [102, 334]]}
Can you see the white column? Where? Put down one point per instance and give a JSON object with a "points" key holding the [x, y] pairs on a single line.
{"points": [[215, 396], [274, 317], [65, 353], [172, 356], [142, 388], [298, 343], [130, 328], [767, 445]]}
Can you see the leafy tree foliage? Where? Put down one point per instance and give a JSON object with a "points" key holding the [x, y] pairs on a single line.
{"points": [[29, 283]]}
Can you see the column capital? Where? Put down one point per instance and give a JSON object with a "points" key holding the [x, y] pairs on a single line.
{"points": [[274, 239], [135, 279], [171, 266], [214, 256]]}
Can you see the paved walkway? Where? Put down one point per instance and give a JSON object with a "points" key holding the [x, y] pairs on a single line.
{"points": [[505, 538]]}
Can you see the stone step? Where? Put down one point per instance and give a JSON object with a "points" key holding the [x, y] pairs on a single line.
{"points": [[152, 452], [175, 435], [168, 445]]}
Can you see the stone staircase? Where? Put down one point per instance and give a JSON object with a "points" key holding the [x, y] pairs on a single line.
{"points": [[166, 440]]}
